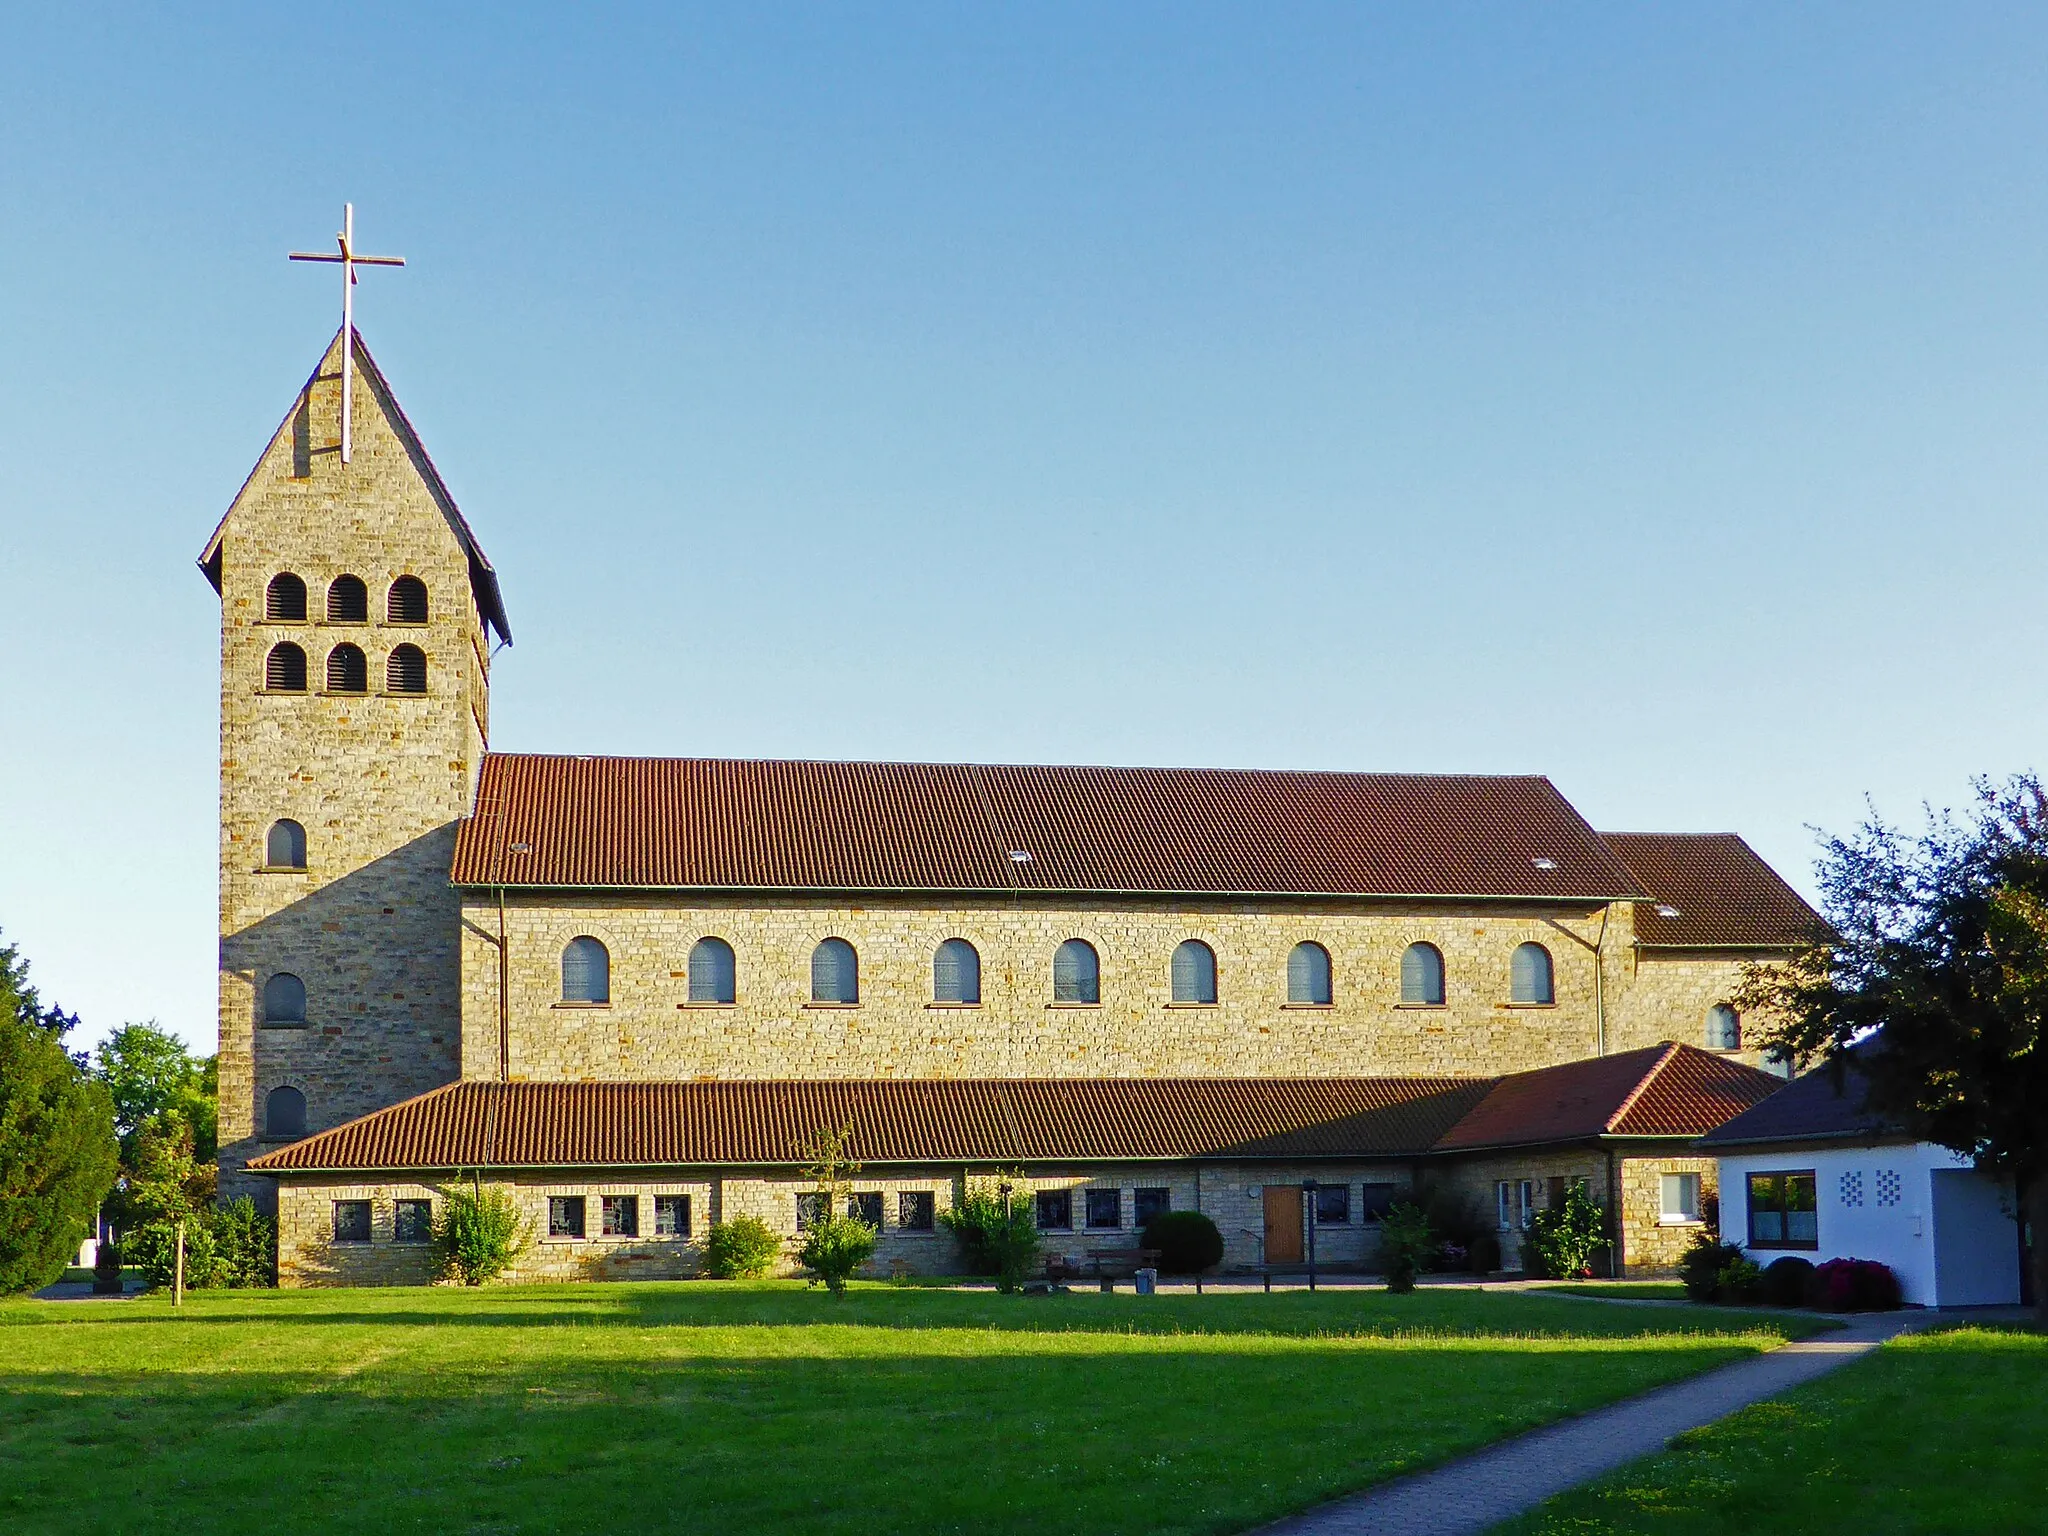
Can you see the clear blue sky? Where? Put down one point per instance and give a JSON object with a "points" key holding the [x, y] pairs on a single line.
{"points": [[1652, 397]]}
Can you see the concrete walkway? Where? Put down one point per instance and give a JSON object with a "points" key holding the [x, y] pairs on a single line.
{"points": [[1503, 1480]]}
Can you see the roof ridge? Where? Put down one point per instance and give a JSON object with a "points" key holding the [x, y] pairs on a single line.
{"points": [[979, 766], [1671, 1050]]}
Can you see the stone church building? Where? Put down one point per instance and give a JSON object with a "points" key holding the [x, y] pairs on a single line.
{"points": [[629, 990]]}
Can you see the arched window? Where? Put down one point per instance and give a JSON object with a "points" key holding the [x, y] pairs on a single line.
{"points": [[285, 599], [285, 847], [284, 670], [956, 973], [406, 671], [284, 1112], [408, 601], [284, 999], [714, 978], [347, 670], [1529, 976], [835, 973], [348, 601], [586, 972], [1724, 1028], [1422, 975], [1308, 975], [1076, 973], [1194, 973]]}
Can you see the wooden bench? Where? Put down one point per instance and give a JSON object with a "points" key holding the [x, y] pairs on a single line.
{"points": [[1111, 1264]]}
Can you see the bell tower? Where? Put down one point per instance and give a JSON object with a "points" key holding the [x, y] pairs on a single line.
{"points": [[358, 615]]}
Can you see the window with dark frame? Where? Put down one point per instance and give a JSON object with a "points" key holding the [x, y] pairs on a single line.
{"points": [[284, 669], [619, 1215], [867, 1207], [284, 600], [1782, 1210], [405, 670], [1076, 973], [1148, 1203], [1333, 1204], [348, 601], [351, 1221], [412, 1221], [671, 1215], [1375, 1200], [1055, 1210], [1105, 1208], [407, 603], [916, 1210], [565, 1215], [285, 845], [809, 1207], [284, 1112]]}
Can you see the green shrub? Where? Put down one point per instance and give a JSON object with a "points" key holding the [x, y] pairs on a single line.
{"points": [[744, 1248], [1700, 1266], [106, 1270], [834, 1246], [245, 1245], [1482, 1253], [1739, 1282], [153, 1248], [997, 1232], [478, 1233], [1562, 1239], [1853, 1285], [1188, 1242], [1407, 1242], [1786, 1280]]}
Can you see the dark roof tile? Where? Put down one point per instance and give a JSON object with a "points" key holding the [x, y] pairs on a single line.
{"points": [[1711, 890]]}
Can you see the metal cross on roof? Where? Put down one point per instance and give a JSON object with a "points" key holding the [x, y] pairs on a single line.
{"points": [[349, 261]]}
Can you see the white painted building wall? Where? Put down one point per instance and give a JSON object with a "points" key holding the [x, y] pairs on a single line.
{"points": [[1946, 1230]]}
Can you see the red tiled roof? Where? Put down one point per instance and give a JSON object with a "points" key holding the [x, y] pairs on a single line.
{"points": [[1711, 890], [1660, 1090], [711, 824]]}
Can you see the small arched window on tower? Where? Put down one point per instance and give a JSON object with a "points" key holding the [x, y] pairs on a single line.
{"points": [[586, 971], [284, 669], [1529, 975], [348, 601], [1308, 976], [285, 847], [1194, 973], [408, 601], [1076, 973], [956, 973], [348, 670], [1724, 1028], [284, 1113], [284, 999], [406, 671], [714, 978], [285, 600], [835, 973], [1422, 975]]}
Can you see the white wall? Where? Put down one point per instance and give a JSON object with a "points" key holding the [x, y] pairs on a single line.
{"points": [[1966, 1220]]}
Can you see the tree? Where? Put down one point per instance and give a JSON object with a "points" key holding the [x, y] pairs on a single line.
{"points": [[1935, 962], [836, 1242], [479, 1233], [57, 1149], [153, 1076], [997, 1232]]}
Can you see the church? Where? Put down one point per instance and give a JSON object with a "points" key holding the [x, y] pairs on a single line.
{"points": [[630, 990]]}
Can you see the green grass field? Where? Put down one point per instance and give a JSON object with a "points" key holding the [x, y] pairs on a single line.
{"points": [[1623, 1290], [708, 1407], [1941, 1432]]}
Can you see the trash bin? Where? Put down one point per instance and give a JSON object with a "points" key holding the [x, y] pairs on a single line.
{"points": [[1148, 1281]]}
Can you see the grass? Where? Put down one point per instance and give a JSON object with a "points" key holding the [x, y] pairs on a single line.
{"points": [[769, 1407], [1625, 1290], [1938, 1432]]}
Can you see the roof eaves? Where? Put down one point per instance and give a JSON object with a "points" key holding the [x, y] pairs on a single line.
{"points": [[1158, 894]]}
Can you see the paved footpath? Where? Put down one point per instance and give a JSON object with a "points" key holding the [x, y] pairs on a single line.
{"points": [[1516, 1475]]}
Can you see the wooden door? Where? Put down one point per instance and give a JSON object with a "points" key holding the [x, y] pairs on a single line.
{"points": [[1283, 1224]]}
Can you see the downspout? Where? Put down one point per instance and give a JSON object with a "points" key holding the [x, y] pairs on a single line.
{"points": [[1617, 1262], [504, 1002], [1599, 974]]}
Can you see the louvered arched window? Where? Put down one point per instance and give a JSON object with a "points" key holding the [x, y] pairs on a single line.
{"points": [[1724, 1028], [284, 999], [348, 601], [956, 973], [284, 600], [284, 1112], [408, 601], [348, 670], [586, 971], [1529, 975], [835, 973], [406, 671], [1076, 973], [285, 847], [284, 669], [1194, 973], [714, 976], [1422, 975], [1308, 975]]}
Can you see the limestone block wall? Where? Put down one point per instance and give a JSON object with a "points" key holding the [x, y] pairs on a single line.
{"points": [[1653, 1244], [1668, 993], [1473, 1182]]}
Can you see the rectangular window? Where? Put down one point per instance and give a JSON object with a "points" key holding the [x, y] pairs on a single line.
{"points": [[413, 1221], [867, 1208], [1782, 1212], [1528, 1211], [1374, 1199], [1148, 1203], [1333, 1204], [1055, 1210], [1681, 1197], [809, 1207], [671, 1215], [351, 1221], [620, 1215], [915, 1210], [565, 1215], [1105, 1208]]}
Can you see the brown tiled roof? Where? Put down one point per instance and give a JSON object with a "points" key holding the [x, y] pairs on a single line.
{"points": [[1660, 1090], [1711, 890], [554, 1125], [712, 824]]}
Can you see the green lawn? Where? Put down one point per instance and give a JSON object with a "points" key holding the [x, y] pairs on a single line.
{"points": [[1625, 1290], [1941, 1432], [711, 1408]]}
